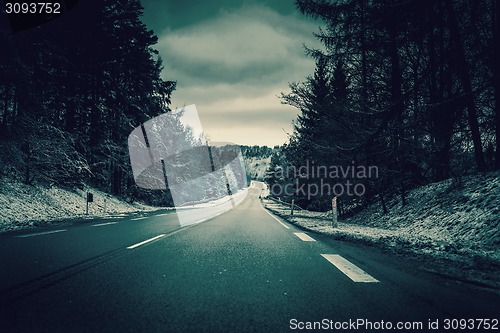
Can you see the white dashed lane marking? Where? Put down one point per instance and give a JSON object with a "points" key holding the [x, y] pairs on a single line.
{"points": [[304, 237], [41, 233], [146, 241], [352, 271], [103, 224], [139, 218]]}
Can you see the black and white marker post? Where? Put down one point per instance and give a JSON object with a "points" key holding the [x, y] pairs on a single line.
{"points": [[90, 198], [334, 212]]}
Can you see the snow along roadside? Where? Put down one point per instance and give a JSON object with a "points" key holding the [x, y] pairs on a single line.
{"points": [[27, 206], [471, 264]]}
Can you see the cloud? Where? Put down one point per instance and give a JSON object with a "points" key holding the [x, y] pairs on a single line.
{"points": [[233, 66]]}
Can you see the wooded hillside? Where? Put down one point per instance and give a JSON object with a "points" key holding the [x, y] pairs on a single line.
{"points": [[72, 90], [410, 87]]}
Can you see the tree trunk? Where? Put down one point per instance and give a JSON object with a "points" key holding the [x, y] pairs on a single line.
{"points": [[403, 196], [439, 113], [464, 75], [397, 105], [15, 107], [382, 201], [6, 102], [496, 81], [364, 75], [27, 163]]}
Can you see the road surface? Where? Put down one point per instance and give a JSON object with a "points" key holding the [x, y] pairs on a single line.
{"points": [[242, 271]]}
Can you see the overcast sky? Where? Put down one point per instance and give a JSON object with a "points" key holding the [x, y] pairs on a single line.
{"points": [[232, 58]]}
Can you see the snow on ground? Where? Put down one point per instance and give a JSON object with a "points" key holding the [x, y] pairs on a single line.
{"points": [[24, 206], [451, 222]]}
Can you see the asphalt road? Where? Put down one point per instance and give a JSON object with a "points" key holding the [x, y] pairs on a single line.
{"points": [[242, 271]]}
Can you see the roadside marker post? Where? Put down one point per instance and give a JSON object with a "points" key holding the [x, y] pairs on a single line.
{"points": [[334, 212], [291, 212], [90, 198]]}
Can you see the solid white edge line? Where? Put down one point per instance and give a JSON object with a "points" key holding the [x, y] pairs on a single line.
{"points": [[41, 233], [352, 271], [139, 218], [101, 224], [145, 242], [305, 237], [274, 217]]}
